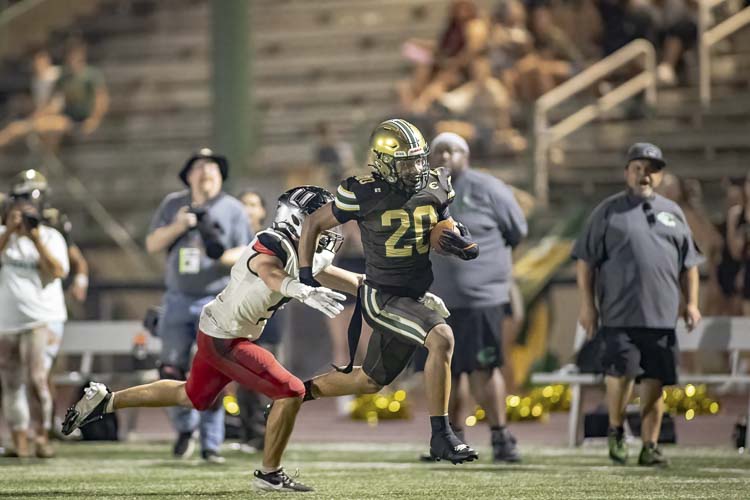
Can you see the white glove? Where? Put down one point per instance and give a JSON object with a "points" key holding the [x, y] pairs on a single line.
{"points": [[321, 298], [432, 301]]}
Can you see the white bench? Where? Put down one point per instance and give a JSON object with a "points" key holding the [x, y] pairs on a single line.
{"points": [[724, 334], [89, 339]]}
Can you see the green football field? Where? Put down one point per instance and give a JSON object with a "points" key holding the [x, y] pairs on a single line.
{"points": [[348, 471]]}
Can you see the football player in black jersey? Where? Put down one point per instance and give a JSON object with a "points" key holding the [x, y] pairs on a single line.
{"points": [[396, 206]]}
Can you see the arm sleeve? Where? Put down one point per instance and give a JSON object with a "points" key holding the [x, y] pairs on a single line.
{"points": [[589, 246], [346, 206], [270, 245], [509, 215]]}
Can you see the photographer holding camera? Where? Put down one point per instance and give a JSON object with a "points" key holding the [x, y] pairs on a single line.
{"points": [[33, 262], [204, 232]]}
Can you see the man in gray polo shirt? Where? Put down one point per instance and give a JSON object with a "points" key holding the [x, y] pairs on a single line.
{"points": [[477, 292], [204, 231], [635, 256]]}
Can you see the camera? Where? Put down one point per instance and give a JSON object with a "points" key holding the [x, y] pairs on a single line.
{"points": [[210, 232], [30, 220]]}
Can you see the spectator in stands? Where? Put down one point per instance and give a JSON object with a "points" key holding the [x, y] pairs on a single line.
{"points": [[676, 25], [34, 262], [252, 404], [727, 300], [738, 241], [446, 64], [554, 57], [622, 22], [204, 231], [79, 101], [477, 292], [481, 112], [630, 285], [510, 41]]}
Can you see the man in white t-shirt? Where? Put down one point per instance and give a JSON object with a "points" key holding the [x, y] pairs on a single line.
{"points": [[33, 261]]}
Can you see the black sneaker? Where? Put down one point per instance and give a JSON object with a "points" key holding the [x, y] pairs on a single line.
{"points": [[504, 447], [90, 408], [427, 457], [184, 446], [449, 447], [277, 481], [212, 457]]}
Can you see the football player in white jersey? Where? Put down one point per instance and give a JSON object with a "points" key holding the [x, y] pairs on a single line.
{"points": [[262, 280]]}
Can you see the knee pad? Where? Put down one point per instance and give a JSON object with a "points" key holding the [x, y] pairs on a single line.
{"points": [[170, 372]]}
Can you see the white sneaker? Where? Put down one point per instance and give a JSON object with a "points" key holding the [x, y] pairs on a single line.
{"points": [[91, 407]]}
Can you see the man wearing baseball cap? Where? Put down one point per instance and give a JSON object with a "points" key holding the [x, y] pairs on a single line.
{"points": [[204, 232], [635, 256]]}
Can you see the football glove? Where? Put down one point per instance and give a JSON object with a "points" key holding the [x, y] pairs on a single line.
{"points": [[458, 245], [435, 303], [307, 278], [321, 298]]}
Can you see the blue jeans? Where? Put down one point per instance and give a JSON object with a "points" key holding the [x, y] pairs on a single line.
{"points": [[177, 328]]}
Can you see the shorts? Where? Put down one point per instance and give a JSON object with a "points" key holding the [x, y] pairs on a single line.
{"points": [[640, 353], [220, 361], [56, 330], [478, 338], [400, 325]]}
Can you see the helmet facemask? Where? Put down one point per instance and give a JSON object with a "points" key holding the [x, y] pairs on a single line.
{"points": [[297, 204]]}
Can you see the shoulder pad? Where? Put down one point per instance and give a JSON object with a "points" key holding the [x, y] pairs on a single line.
{"points": [[442, 179], [354, 191]]}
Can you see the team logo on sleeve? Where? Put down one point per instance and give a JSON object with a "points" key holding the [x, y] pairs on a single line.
{"points": [[667, 219]]}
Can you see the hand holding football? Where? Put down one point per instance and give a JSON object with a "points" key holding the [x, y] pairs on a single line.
{"points": [[437, 232]]}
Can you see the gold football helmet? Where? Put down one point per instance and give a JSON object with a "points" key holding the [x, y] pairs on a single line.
{"points": [[29, 184], [399, 155]]}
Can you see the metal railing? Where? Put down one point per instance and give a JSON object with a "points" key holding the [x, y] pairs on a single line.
{"points": [[710, 36], [546, 135]]}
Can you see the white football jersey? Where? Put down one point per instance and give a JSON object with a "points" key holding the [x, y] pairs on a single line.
{"points": [[243, 307]]}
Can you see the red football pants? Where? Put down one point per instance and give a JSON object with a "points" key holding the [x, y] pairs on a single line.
{"points": [[219, 361]]}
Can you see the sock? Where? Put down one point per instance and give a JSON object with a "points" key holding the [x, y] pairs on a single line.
{"points": [[308, 391], [497, 428], [439, 424], [620, 430], [110, 407], [269, 470]]}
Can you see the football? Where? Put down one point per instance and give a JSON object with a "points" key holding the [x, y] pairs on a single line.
{"points": [[437, 231]]}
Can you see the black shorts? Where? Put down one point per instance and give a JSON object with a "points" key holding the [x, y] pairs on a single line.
{"points": [[478, 336], [640, 353], [399, 326]]}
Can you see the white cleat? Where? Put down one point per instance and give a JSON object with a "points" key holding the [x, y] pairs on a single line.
{"points": [[89, 408]]}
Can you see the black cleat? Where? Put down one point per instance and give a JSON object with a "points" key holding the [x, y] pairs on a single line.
{"points": [[449, 447], [504, 447], [427, 457], [90, 408], [277, 481], [184, 446]]}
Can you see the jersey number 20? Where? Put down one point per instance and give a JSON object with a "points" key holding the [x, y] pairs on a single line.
{"points": [[405, 220]]}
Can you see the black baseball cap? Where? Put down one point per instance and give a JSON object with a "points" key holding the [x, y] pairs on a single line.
{"points": [[205, 154], [646, 151]]}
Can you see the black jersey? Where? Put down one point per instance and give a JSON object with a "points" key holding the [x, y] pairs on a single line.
{"points": [[395, 228]]}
